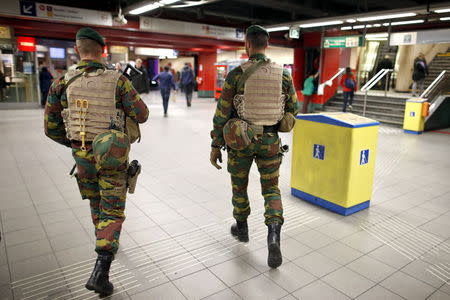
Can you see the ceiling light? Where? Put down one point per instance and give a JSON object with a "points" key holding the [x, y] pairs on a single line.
{"points": [[377, 25], [350, 20], [444, 19], [407, 22], [444, 10], [368, 26], [377, 35], [383, 17], [346, 28], [281, 28], [145, 8], [168, 2], [377, 39], [319, 24], [358, 27]]}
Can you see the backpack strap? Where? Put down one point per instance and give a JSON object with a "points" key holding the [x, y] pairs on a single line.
{"points": [[247, 73]]}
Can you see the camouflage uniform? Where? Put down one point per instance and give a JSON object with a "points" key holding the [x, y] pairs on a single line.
{"points": [[264, 150], [104, 186]]}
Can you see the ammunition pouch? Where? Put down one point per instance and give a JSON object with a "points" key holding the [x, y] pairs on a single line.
{"points": [[287, 123], [132, 130]]}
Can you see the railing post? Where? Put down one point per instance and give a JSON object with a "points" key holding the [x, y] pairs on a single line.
{"points": [[387, 81], [365, 103]]}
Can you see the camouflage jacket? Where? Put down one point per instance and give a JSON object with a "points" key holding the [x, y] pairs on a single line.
{"points": [[225, 110], [126, 98]]}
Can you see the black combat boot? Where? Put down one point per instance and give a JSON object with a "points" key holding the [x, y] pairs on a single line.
{"points": [[274, 259], [240, 231], [99, 280]]}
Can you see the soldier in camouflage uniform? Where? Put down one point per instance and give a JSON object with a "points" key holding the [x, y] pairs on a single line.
{"points": [[250, 142], [100, 153]]}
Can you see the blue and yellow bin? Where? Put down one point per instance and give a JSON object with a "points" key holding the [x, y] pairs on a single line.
{"points": [[333, 160], [416, 109]]}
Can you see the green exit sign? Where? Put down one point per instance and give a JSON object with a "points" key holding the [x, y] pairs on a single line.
{"points": [[343, 41]]}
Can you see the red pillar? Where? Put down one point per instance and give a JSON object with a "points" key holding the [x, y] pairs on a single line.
{"points": [[331, 62], [298, 71], [206, 74]]}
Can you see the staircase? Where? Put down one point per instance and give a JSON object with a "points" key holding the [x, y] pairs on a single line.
{"points": [[388, 110], [440, 62]]}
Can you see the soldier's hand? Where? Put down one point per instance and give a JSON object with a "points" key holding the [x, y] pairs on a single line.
{"points": [[216, 154]]}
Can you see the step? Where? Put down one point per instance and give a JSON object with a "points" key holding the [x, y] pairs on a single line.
{"points": [[372, 108], [397, 103], [380, 118]]}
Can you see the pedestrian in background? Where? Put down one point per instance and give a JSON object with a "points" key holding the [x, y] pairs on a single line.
{"points": [[348, 84], [187, 82], [419, 74], [308, 90], [118, 67], [140, 81], [2, 86], [45, 81], [385, 63], [166, 83]]}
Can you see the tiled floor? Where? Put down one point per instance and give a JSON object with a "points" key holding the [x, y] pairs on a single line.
{"points": [[175, 243]]}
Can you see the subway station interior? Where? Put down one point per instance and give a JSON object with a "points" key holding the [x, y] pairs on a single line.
{"points": [[122, 122]]}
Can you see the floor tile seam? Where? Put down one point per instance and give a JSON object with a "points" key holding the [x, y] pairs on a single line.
{"points": [[253, 277], [371, 281], [7, 260], [378, 285], [419, 279], [409, 276], [227, 288], [46, 234]]}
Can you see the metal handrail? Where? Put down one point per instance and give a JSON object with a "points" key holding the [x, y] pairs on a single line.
{"points": [[372, 82], [433, 84], [329, 82]]}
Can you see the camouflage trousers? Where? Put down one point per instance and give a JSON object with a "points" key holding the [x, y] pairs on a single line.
{"points": [[106, 191], [266, 153]]}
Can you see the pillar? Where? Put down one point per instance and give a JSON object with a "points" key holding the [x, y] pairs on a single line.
{"points": [[206, 74]]}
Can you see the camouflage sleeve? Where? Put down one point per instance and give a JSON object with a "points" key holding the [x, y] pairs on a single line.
{"points": [[53, 120], [132, 103], [225, 106], [292, 105]]}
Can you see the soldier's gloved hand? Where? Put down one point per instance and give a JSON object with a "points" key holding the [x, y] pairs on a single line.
{"points": [[216, 154]]}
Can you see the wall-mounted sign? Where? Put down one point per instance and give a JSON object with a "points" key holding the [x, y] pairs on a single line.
{"points": [[294, 32], [55, 12], [26, 43], [187, 28], [5, 32], [118, 49], [160, 52], [420, 37], [343, 41]]}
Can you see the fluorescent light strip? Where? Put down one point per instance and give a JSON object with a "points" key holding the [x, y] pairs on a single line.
{"points": [[444, 19], [145, 8], [346, 28], [441, 11], [358, 27], [407, 22], [168, 2], [377, 39], [377, 35], [377, 25], [281, 28], [350, 20], [384, 17], [319, 24]]}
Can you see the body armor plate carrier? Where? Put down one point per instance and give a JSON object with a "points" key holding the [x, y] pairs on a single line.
{"points": [[262, 102], [91, 104]]}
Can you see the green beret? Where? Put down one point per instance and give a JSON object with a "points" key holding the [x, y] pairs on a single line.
{"points": [[89, 33], [257, 29]]}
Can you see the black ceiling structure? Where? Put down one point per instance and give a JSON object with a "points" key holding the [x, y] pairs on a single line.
{"points": [[242, 13]]}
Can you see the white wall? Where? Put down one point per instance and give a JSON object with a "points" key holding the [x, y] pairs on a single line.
{"points": [[177, 63], [277, 54]]}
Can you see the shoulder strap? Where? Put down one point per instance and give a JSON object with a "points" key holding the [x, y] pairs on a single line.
{"points": [[68, 82], [247, 73]]}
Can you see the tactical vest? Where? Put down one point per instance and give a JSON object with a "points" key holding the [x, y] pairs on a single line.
{"points": [[91, 100], [262, 102]]}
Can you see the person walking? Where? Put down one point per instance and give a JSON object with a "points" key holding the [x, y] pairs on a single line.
{"points": [[348, 84], [166, 83], [247, 121], [140, 81], [385, 63], [3, 85], [187, 83], [86, 110], [308, 90], [45, 81], [419, 73]]}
